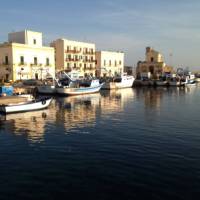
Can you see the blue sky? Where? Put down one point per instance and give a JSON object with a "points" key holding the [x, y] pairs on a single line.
{"points": [[170, 26]]}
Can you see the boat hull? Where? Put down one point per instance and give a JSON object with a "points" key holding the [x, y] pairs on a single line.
{"points": [[161, 83], [176, 84], [30, 106], [78, 91], [46, 89], [118, 85]]}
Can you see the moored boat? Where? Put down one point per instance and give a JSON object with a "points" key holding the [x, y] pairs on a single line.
{"points": [[176, 81], [27, 106], [46, 89], [124, 81], [161, 83], [79, 88]]}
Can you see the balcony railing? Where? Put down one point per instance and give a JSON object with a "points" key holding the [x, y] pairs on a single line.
{"points": [[89, 60], [22, 64], [72, 60], [73, 51], [34, 64], [89, 53]]}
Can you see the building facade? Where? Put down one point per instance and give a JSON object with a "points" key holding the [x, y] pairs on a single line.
{"points": [[153, 66], [24, 57], [73, 55], [109, 63]]}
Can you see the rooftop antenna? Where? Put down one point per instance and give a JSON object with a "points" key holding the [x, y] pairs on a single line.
{"points": [[171, 59]]}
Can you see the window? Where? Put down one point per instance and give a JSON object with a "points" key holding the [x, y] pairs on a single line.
{"points": [[120, 62], [47, 61], [22, 60], [104, 62], [35, 60], [152, 59], [34, 41], [110, 63], [115, 63], [6, 60]]}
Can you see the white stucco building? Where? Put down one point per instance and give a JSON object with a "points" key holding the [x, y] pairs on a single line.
{"points": [[25, 57], [109, 63], [74, 55]]}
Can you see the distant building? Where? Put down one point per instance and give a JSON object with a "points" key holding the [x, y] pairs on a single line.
{"points": [[153, 66], [109, 63], [24, 57], [73, 55]]}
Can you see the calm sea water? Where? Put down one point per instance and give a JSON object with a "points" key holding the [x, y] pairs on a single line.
{"points": [[127, 144]]}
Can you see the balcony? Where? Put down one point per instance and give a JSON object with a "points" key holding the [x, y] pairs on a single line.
{"points": [[72, 51], [72, 60], [89, 61], [34, 64], [22, 64], [89, 53]]}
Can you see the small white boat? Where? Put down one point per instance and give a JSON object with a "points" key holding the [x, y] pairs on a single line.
{"points": [[124, 81], [190, 80], [27, 106], [74, 88]]}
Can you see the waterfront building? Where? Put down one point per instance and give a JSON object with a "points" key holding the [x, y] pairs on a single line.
{"points": [[73, 55], [109, 63], [25, 57], [153, 66]]}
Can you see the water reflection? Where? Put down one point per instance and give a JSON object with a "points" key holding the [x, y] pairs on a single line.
{"points": [[29, 124], [153, 97], [77, 111], [68, 114]]}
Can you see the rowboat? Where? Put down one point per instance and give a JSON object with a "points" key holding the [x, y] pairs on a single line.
{"points": [[27, 106]]}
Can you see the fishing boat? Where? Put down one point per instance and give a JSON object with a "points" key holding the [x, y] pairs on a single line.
{"points": [[161, 83], [80, 87], [123, 81], [177, 82], [190, 80], [46, 89], [48, 86], [26, 106]]}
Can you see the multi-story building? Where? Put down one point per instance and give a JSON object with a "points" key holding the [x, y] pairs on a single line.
{"points": [[73, 55], [24, 57], [153, 66], [109, 63]]}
